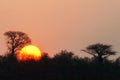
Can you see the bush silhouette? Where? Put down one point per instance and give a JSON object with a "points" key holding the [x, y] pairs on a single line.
{"points": [[64, 65]]}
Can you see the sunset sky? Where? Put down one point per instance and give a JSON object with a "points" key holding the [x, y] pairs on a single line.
{"points": [[54, 25]]}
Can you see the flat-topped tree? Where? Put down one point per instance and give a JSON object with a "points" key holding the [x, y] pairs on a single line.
{"points": [[16, 40], [100, 51]]}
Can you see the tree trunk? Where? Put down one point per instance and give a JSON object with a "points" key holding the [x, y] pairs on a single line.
{"points": [[12, 56], [13, 52], [100, 59]]}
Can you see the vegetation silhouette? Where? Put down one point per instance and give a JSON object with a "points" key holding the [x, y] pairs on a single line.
{"points": [[62, 66], [15, 41], [100, 51]]}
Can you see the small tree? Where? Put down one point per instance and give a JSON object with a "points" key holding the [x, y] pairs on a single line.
{"points": [[16, 40], [45, 57], [99, 51], [64, 56]]}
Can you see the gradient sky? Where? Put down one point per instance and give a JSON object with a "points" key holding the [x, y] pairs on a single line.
{"points": [[54, 25]]}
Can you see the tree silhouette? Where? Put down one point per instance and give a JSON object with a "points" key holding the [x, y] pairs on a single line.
{"points": [[16, 40], [64, 54], [45, 57], [63, 57], [100, 51]]}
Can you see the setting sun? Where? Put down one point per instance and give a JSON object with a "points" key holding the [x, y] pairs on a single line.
{"points": [[29, 52]]}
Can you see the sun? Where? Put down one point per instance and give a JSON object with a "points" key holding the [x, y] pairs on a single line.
{"points": [[29, 52]]}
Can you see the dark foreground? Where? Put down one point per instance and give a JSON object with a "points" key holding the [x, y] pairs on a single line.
{"points": [[59, 69]]}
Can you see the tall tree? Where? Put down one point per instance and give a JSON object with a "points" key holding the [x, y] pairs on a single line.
{"points": [[100, 51], [16, 40]]}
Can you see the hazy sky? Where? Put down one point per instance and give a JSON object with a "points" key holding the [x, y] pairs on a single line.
{"points": [[54, 25]]}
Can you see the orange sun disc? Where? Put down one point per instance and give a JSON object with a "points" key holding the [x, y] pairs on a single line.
{"points": [[29, 52]]}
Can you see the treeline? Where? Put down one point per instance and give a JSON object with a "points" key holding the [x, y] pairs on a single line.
{"points": [[63, 66]]}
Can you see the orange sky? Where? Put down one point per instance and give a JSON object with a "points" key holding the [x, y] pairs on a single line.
{"points": [[54, 25]]}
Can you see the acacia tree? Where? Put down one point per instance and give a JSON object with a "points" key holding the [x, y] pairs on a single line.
{"points": [[16, 40], [100, 51]]}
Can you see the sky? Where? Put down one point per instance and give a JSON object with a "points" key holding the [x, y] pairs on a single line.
{"points": [[55, 25]]}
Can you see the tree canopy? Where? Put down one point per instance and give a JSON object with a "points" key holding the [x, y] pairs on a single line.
{"points": [[16, 40], [100, 51]]}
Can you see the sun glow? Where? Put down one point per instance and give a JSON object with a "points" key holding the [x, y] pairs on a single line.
{"points": [[29, 52]]}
